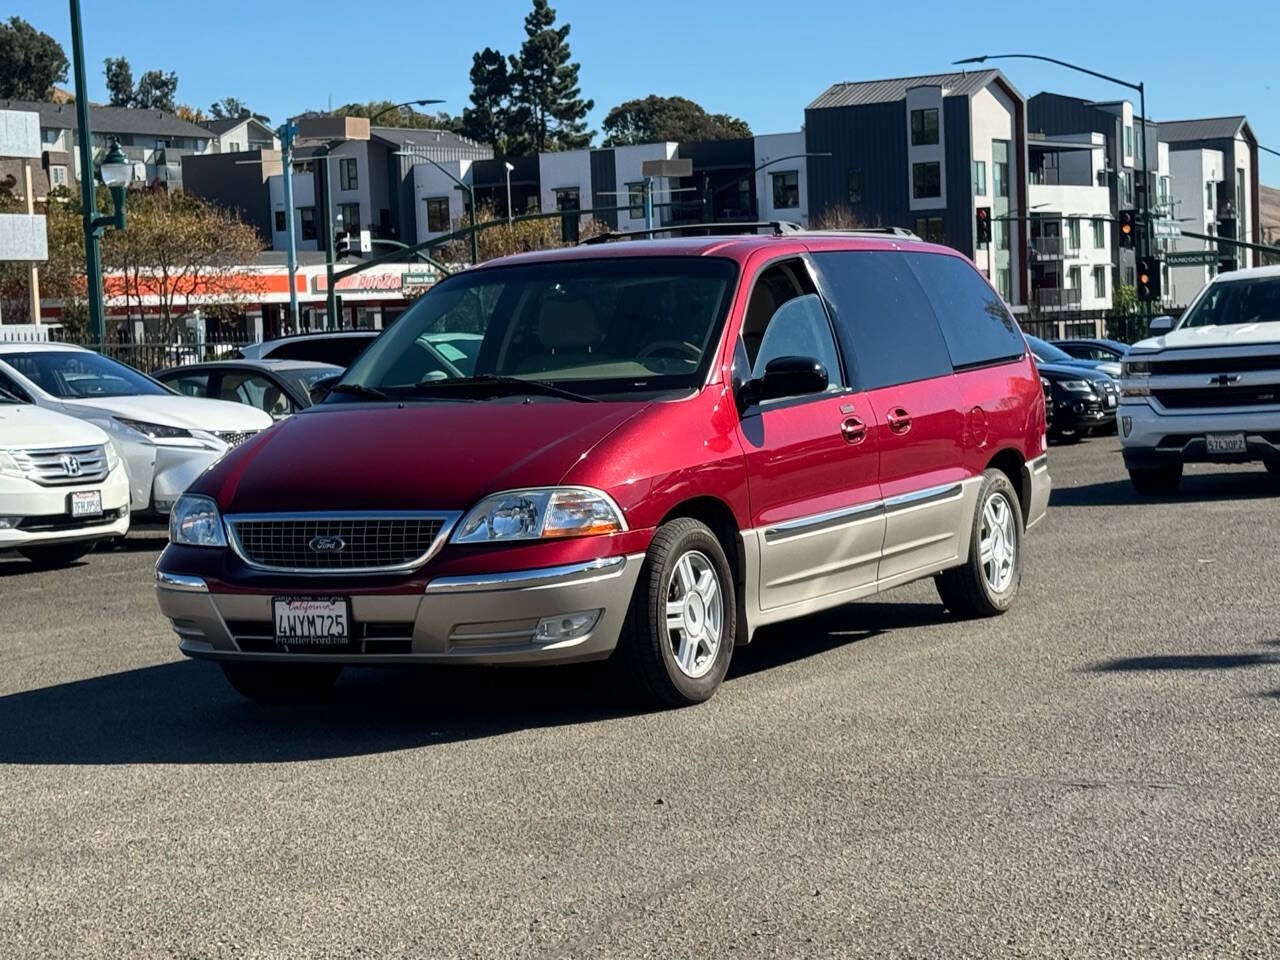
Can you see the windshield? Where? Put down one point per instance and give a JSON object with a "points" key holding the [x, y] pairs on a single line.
{"points": [[1047, 351], [81, 374], [599, 326], [1236, 301]]}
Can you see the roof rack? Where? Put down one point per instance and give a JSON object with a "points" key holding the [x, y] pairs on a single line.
{"points": [[779, 227], [869, 231]]}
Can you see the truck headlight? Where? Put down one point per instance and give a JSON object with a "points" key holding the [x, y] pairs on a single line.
{"points": [[194, 521], [540, 513]]}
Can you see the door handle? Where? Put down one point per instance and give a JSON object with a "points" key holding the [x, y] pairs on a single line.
{"points": [[853, 430], [899, 420]]}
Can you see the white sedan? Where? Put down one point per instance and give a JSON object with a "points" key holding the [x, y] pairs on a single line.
{"points": [[165, 440]]}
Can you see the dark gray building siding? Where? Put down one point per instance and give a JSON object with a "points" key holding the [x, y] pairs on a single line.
{"points": [[872, 139], [604, 177], [957, 223]]}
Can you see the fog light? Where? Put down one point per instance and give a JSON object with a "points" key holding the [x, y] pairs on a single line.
{"points": [[164, 506], [1078, 407], [9, 523], [1126, 425], [566, 626]]}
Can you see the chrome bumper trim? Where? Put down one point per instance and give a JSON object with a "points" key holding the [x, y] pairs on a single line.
{"points": [[538, 577], [180, 581]]}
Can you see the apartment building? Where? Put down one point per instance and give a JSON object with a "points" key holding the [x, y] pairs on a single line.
{"points": [[154, 140], [233, 135], [926, 152]]}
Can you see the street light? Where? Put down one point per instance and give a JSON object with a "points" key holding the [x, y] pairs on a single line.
{"points": [[510, 167], [471, 196]]}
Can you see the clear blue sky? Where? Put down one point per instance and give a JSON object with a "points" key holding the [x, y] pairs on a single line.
{"points": [[762, 61]]}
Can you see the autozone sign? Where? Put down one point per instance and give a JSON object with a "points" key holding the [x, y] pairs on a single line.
{"points": [[370, 282]]}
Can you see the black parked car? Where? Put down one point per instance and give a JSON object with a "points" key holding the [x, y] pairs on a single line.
{"points": [[280, 387], [1080, 401], [1091, 348]]}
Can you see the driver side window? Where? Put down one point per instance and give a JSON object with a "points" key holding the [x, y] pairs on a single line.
{"points": [[785, 318]]}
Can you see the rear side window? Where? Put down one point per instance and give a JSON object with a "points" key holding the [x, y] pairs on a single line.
{"points": [[975, 323], [341, 351], [883, 317]]}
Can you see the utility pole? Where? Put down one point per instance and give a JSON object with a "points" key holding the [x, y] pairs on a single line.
{"points": [[88, 196], [33, 285], [288, 132]]}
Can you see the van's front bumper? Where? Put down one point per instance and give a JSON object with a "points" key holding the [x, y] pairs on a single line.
{"points": [[1149, 438], [480, 619]]}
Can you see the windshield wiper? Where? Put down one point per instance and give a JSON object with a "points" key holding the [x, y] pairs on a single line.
{"points": [[514, 385], [359, 390]]}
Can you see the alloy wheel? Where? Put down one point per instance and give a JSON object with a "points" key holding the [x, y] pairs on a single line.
{"points": [[695, 614], [998, 542]]}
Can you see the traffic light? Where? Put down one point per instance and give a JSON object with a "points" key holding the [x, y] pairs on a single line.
{"points": [[983, 224], [1128, 227], [344, 245], [1148, 280]]}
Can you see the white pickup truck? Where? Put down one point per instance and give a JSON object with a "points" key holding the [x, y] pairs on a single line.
{"points": [[1208, 389]]}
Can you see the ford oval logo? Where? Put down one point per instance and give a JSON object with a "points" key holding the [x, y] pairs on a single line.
{"points": [[327, 544]]}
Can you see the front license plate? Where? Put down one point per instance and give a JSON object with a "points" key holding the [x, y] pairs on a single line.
{"points": [[311, 621], [88, 503], [1225, 443]]}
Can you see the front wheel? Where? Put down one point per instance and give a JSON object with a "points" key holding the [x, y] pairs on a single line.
{"points": [[1157, 481], [987, 583], [53, 555], [678, 640], [280, 682]]}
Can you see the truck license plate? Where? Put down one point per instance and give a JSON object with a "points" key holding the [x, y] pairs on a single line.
{"points": [[1225, 443], [311, 621]]}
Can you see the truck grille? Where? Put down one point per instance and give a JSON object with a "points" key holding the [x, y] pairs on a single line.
{"points": [[1224, 364], [1258, 395], [61, 466], [325, 543]]}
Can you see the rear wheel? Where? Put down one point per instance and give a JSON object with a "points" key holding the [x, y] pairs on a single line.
{"points": [[1273, 467], [676, 646], [281, 682], [57, 554], [987, 583], [1157, 481]]}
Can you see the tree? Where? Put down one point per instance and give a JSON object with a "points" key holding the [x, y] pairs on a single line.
{"points": [[485, 121], [119, 81], [1124, 299], [190, 114], [231, 108], [657, 118], [156, 90], [31, 62], [548, 112], [406, 117]]}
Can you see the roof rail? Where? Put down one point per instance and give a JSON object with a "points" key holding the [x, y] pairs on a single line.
{"points": [[870, 231], [779, 227]]}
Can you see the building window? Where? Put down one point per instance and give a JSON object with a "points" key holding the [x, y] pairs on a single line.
{"points": [[1004, 283], [1126, 187], [437, 214], [1162, 191], [350, 214], [49, 134], [1073, 233], [1000, 234], [233, 147], [1100, 282], [926, 180], [979, 178], [1099, 233], [929, 228], [1209, 191], [58, 176], [307, 220], [1128, 141], [348, 175], [635, 200], [924, 127], [567, 198], [1128, 276], [1000, 177], [786, 190], [1073, 278], [281, 226], [853, 184]]}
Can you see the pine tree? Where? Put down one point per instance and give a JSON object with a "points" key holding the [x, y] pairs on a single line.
{"points": [[547, 112], [486, 120]]}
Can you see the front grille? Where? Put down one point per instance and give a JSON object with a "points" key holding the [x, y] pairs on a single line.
{"points": [[233, 438], [1222, 364], [1248, 396], [322, 543], [60, 522], [62, 465]]}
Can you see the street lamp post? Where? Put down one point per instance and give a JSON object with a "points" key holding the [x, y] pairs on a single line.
{"points": [[471, 197], [117, 173]]}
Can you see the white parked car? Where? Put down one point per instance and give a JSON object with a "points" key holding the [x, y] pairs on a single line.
{"points": [[62, 485], [1206, 390], [165, 440]]}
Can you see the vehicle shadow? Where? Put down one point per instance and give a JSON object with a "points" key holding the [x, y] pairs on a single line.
{"points": [[185, 713], [1186, 661], [16, 565], [1195, 488]]}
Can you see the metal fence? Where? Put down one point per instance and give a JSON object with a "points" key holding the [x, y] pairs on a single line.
{"points": [[148, 354]]}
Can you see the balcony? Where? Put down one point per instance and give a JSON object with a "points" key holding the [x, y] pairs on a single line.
{"points": [[1056, 297], [1054, 248]]}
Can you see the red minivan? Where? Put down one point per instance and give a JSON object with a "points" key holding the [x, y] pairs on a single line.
{"points": [[639, 450]]}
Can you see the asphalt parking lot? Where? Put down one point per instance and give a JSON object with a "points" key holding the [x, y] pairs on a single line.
{"points": [[1093, 774]]}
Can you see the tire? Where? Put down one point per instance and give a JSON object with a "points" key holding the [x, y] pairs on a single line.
{"points": [[1157, 481], [987, 587], [53, 555], [280, 682], [1273, 467], [677, 642]]}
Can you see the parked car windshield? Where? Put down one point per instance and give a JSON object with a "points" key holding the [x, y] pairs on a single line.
{"points": [[1047, 351], [1236, 301], [81, 374], [598, 325]]}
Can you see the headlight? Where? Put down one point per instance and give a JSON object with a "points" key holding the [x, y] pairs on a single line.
{"points": [[1076, 386], [113, 458], [9, 466], [1136, 368], [156, 431], [195, 521], [540, 513]]}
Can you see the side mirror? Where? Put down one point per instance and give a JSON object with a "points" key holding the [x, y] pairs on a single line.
{"points": [[1162, 324], [320, 389], [786, 377]]}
